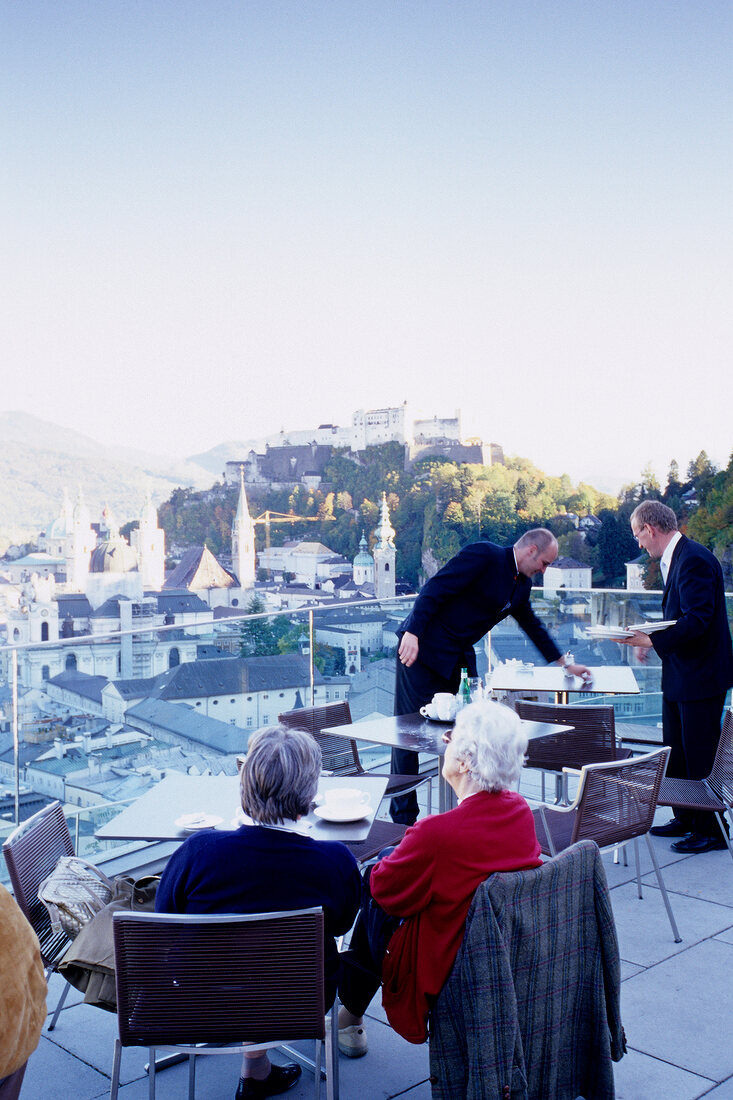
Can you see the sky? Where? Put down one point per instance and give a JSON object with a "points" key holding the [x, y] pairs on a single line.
{"points": [[222, 219]]}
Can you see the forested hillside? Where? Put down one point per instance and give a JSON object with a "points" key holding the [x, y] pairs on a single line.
{"points": [[439, 506], [435, 508]]}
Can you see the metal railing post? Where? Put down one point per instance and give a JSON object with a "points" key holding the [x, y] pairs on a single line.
{"points": [[16, 744], [312, 656]]}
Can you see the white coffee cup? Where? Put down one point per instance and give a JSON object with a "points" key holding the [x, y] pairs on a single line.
{"points": [[342, 798], [445, 704], [429, 711]]}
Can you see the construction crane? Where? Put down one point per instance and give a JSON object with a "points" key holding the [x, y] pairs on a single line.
{"points": [[269, 517]]}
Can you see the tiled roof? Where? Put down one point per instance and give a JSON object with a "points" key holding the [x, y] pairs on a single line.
{"points": [[185, 722], [232, 676], [199, 569], [89, 687], [180, 601]]}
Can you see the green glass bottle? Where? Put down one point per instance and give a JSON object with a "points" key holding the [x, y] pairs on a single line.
{"points": [[464, 689]]}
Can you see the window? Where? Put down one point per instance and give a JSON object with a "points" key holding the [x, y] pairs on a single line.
{"points": [[232, 700], [45, 673], [249, 723], [216, 702], [174, 658], [198, 703], [44, 632], [71, 662]]}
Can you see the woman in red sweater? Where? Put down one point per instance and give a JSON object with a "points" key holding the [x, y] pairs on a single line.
{"points": [[426, 884]]}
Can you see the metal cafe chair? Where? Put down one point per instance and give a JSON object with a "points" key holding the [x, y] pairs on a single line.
{"points": [[592, 740], [714, 794], [222, 984], [341, 757], [31, 853], [614, 805]]}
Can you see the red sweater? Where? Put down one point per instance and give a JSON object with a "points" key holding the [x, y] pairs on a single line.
{"points": [[430, 880]]}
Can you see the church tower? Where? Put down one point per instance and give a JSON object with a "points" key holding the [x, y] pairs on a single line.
{"points": [[363, 571], [80, 542], [384, 555], [243, 539], [149, 542]]}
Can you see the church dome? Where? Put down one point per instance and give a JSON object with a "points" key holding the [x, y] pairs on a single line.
{"points": [[114, 556], [363, 556]]}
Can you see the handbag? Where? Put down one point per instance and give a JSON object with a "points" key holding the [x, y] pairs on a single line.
{"points": [[73, 893], [89, 963]]}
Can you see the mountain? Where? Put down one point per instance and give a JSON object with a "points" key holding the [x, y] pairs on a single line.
{"points": [[233, 451], [38, 459]]}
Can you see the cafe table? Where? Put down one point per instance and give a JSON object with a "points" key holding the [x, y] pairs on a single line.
{"points": [[153, 816], [418, 734], [605, 680]]}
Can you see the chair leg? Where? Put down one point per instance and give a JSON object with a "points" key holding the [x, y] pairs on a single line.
{"points": [[115, 1082], [332, 1053], [726, 838], [151, 1075], [191, 1076], [637, 863], [663, 889], [59, 1006]]}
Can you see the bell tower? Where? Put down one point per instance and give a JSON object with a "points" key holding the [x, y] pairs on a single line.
{"points": [[384, 554], [243, 539]]}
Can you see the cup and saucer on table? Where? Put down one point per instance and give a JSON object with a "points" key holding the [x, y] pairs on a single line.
{"points": [[443, 708], [343, 804]]}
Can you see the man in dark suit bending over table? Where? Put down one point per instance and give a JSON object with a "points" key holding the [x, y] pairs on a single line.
{"points": [[697, 662], [475, 590]]}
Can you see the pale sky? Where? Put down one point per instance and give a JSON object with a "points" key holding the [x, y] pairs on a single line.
{"points": [[220, 219]]}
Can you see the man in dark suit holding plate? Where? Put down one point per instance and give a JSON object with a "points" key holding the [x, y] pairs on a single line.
{"points": [[475, 590], [697, 662]]}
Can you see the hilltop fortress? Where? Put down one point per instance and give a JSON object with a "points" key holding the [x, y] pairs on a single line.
{"points": [[299, 457]]}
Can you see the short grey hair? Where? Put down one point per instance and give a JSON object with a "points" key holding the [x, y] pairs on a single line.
{"points": [[538, 536], [279, 777], [489, 739], [655, 514]]}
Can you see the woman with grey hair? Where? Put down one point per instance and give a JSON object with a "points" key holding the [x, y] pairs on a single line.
{"points": [[268, 865], [426, 884]]}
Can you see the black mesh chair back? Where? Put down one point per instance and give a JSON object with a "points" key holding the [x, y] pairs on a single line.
{"points": [[183, 981], [721, 777], [618, 801], [711, 795], [340, 755], [31, 853], [591, 741], [615, 804]]}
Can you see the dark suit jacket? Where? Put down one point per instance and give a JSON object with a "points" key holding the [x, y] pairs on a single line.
{"points": [[473, 592], [697, 656]]}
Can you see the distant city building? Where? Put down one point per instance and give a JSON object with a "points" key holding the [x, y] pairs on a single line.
{"points": [[566, 573], [635, 573]]}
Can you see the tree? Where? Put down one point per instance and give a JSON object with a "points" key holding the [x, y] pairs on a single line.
{"points": [[257, 637]]}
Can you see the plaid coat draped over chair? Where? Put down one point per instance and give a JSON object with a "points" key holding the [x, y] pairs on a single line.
{"points": [[531, 1009]]}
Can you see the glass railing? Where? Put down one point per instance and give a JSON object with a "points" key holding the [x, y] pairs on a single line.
{"points": [[95, 718]]}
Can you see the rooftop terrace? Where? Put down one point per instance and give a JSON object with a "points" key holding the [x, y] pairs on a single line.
{"points": [[676, 1007]]}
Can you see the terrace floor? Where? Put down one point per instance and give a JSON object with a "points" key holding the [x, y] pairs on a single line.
{"points": [[676, 1004]]}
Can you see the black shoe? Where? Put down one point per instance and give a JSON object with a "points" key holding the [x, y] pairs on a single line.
{"points": [[279, 1079], [699, 842], [672, 828]]}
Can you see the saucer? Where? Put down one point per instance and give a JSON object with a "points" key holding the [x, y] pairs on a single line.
{"points": [[354, 811], [191, 823]]}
